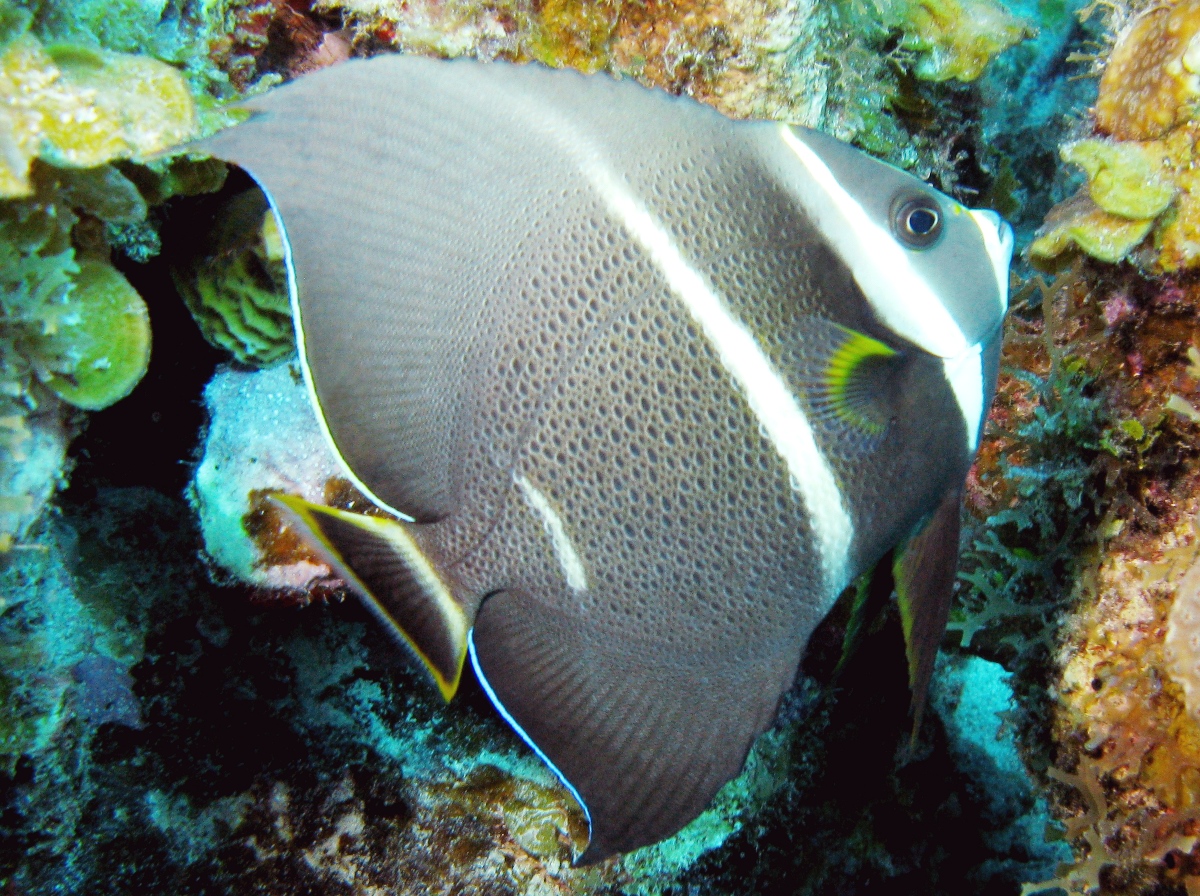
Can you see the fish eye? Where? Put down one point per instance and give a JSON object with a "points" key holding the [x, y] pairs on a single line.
{"points": [[917, 222]]}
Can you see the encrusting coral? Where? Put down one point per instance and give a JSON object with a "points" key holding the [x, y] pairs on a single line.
{"points": [[1141, 168], [78, 107]]}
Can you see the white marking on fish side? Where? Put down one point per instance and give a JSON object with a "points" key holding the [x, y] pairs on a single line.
{"points": [[564, 549], [770, 400]]}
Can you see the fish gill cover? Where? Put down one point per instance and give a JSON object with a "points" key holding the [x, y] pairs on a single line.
{"points": [[161, 731]]}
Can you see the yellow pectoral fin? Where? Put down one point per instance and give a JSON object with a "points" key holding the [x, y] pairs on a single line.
{"points": [[379, 559], [850, 379]]}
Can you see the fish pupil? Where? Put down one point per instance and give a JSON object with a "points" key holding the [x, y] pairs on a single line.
{"points": [[922, 221], [917, 222]]}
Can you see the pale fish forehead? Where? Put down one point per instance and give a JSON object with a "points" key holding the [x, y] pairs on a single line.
{"points": [[946, 299]]}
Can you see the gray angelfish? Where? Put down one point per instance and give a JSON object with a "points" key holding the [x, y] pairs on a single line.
{"points": [[653, 386]]}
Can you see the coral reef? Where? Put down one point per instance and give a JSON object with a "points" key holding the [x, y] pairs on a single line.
{"points": [[1082, 530], [166, 733], [1140, 168], [180, 738], [974, 699], [235, 284], [77, 182]]}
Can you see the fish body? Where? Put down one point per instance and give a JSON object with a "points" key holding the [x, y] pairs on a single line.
{"points": [[651, 385]]}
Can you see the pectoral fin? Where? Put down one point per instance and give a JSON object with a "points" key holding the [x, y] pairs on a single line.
{"points": [[924, 571], [848, 377], [379, 559]]}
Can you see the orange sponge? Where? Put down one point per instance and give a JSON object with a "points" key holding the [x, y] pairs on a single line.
{"points": [[1151, 80]]}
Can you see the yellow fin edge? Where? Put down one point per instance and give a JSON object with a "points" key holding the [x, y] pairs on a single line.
{"points": [[849, 357], [392, 532]]}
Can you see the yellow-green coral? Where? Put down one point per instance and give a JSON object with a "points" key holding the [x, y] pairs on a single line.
{"points": [[1143, 176], [80, 108], [1081, 222], [574, 33], [955, 38], [1133, 180], [235, 287], [1136, 187], [98, 344]]}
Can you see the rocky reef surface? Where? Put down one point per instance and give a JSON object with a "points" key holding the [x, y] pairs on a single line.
{"points": [[189, 705]]}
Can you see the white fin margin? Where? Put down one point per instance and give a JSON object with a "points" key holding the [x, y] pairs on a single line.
{"points": [[487, 689], [301, 351]]}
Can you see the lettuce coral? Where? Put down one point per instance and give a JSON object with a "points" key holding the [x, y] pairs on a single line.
{"points": [[236, 287]]}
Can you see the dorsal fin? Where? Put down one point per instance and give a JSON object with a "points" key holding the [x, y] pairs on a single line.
{"points": [[380, 224], [380, 561]]}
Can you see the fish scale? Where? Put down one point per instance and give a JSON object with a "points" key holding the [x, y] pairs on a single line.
{"points": [[647, 388]]}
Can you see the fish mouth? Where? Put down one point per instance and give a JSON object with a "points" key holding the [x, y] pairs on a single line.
{"points": [[998, 240]]}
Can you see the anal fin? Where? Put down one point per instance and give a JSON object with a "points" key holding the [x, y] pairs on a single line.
{"points": [[382, 563], [643, 732], [924, 571]]}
